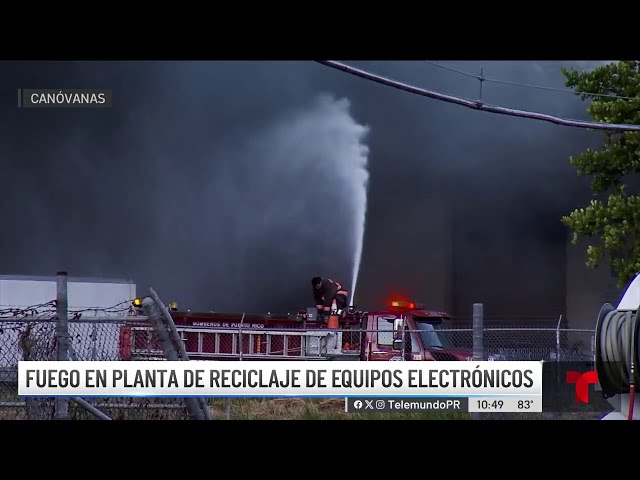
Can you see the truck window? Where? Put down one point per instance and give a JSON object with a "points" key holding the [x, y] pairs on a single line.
{"points": [[385, 332], [385, 335], [415, 348], [429, 335]]}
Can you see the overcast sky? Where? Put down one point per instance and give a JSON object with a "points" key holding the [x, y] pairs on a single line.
{"points": [[228, 185]]}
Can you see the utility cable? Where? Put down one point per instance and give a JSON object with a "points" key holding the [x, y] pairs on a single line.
{"points": [[526, 85], [475, 104], [461, 72]]}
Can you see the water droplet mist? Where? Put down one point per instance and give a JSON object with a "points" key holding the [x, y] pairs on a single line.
{"points": [[283, 203], [350, 165]]}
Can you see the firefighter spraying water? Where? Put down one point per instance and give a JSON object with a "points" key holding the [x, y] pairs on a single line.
{"points": [[331, 300]]}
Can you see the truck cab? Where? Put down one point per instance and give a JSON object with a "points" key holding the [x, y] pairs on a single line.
{"points": [[409, 332]]}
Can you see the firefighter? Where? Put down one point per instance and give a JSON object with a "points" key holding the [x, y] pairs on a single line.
{"points": [[326, 292]]}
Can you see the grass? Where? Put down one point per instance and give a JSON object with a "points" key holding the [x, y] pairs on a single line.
{"points": [[310, 409], [265, 409], [333, 409]]}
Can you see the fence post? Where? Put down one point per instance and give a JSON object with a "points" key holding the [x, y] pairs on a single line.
{"points": [[241, 349], [556, 414], [478, 344], [478, 332], [558, 340], [62, 337]]}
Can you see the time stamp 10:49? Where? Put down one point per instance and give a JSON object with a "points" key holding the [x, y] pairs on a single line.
{"points": [[505, 404]]}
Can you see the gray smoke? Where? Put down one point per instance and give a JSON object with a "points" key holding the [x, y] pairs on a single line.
{"points": [[286, 208], [227, 185]]}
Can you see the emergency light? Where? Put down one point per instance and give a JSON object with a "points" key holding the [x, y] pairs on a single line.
{"points": [[403, 304], [137, 302]]}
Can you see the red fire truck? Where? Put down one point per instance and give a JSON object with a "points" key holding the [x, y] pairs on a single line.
{"points": [[406, 331]]}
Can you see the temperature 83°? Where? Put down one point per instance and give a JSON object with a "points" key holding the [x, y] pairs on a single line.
{"points": [[484, 404], [525, 404]]}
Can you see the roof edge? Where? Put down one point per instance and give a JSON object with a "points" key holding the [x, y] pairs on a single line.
{"points": [[53, 278]]}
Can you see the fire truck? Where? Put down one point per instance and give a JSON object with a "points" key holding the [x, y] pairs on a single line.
{"points": [[404, 331]]}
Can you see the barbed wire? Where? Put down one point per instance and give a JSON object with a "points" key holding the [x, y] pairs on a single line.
{"points": [[31, 310], [38, 310]]}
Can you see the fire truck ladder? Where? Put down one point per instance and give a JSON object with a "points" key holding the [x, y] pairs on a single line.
{"points": [[250, 344], [258, 343]]}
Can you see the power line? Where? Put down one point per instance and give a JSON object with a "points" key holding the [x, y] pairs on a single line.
{"points": [[517, 84], [475, 104], [461, 72]]}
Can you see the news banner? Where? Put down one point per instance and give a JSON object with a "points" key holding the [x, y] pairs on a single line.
{"points": [[483, 386]]}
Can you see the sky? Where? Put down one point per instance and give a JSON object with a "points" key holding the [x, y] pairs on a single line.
{"points": [[227, 185]]}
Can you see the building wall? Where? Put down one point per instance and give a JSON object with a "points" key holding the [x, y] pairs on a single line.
{"points": [[587, 289], [511, 262], [417, 259], [24, 291], [89, 340], [449, 261]]}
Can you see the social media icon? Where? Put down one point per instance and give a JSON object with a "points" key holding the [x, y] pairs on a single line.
{"points": [[369, 404], [380, 404], [357, 404]]}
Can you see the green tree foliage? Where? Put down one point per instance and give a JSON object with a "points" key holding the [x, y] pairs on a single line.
{"points": [[611, 220]]}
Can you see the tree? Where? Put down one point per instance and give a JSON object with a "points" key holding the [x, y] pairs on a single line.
{"points": [[611, 220]]}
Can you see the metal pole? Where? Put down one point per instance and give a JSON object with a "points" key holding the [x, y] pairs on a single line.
{"points": [[94, 341], [97, 413], [240, 336], [478, 331], [557, 412], [230, 400], [478, 344], [62, 337], [173, 332], [558, 340], [404, 338], [153, 312]]}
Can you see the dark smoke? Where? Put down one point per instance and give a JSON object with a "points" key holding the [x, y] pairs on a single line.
{"points": [[177, 187]]}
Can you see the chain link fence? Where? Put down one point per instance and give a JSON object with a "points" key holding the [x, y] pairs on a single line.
{"points": [[519, 343], [33, 336], [523, 343]]}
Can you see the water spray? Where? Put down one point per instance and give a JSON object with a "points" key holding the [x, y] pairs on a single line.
{"points": [[360, 222], [299, 189]]}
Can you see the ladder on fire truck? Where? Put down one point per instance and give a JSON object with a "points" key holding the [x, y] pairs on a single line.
{"points": [[249, 344]]}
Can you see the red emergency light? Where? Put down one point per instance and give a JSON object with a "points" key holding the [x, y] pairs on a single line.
{"points": [[403, 304]]}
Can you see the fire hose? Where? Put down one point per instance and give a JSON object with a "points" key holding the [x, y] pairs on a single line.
{"points": [[617, 352]]}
